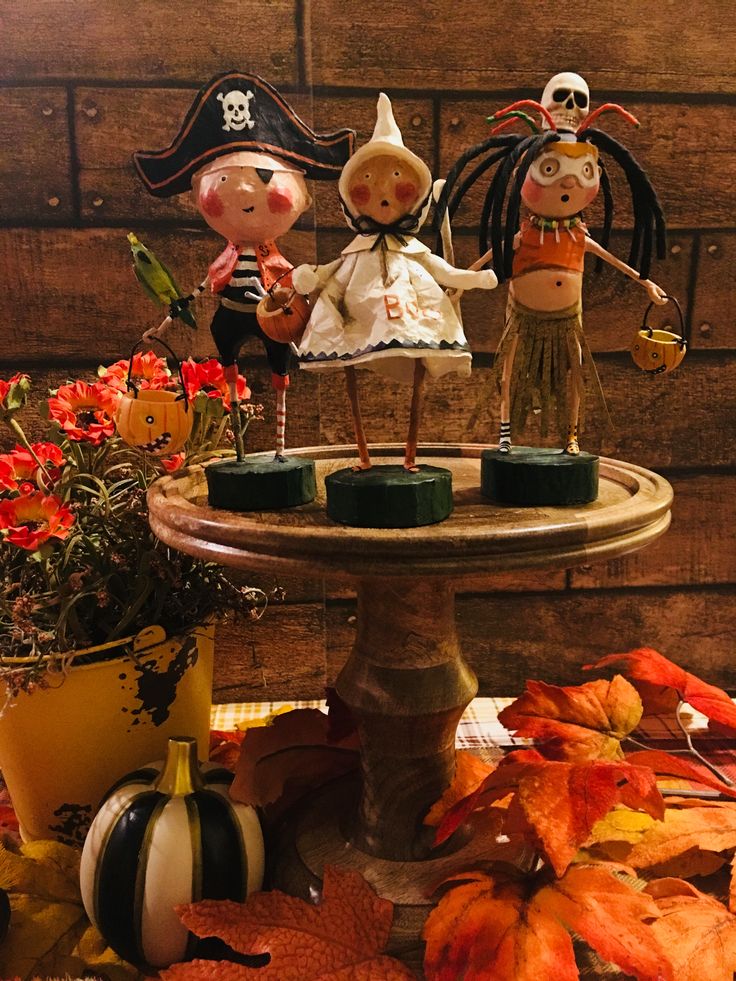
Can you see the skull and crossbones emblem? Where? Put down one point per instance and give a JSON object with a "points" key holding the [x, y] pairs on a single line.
{"points": [[236, 110]]}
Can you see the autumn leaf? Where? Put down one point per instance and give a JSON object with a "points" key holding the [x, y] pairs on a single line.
{"points": [[561, 802], [293, 755], [708, 829], [470, 772], [225, 748], [645, 664], [584, 722], [511, 929], [665, 764], [49, 930], [698, 932], [340, 939]]}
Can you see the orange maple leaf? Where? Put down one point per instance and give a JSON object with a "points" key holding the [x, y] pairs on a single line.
{"points": [[340, 939], [646, 664], [698, 932], [282, 761], [705, 828], [559, 801], [665, 764], [470, 772], [513, 929], [583, 722]]}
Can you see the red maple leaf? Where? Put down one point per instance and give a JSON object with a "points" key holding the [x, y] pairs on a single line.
{"points": [[646, 664], [512, 929], [559, 801], [339, 939]]}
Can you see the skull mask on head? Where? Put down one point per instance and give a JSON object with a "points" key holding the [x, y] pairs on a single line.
{"points": [[567, 98]]}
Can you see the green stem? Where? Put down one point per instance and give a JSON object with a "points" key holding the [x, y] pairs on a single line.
{"points": [[23, 440]]}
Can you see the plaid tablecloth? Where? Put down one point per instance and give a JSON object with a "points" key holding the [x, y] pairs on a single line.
{"points": [[480, 729]]}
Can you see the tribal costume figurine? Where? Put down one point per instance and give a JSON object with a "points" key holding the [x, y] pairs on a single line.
{"points": [[543, 363]]}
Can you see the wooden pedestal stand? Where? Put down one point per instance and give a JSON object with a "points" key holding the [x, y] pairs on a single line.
{"points": [[406, 680]]}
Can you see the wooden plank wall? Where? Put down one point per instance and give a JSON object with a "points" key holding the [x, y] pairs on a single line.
{"points": [[85, 82]]}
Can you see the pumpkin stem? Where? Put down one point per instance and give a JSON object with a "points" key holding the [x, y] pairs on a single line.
{"points": [[180, 775]]}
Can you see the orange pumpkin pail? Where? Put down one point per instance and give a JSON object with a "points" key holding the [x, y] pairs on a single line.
{"points": [[659, 351], [283, 322], [155, 421]]}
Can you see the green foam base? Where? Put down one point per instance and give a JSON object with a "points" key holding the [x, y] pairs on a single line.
{"points": [[261, 484], [534, 477], [389, 497]]}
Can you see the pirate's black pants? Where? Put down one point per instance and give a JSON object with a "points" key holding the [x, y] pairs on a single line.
{"points": [[231, 328]]}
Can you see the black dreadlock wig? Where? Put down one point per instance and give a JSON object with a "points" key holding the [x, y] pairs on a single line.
{"points": [[514, 155]]}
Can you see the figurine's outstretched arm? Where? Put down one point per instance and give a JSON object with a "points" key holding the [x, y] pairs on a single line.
{"points": [[464, 279], [183, 303], [655, 293], [306, 279]]}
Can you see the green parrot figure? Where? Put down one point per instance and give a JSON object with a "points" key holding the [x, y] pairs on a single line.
{"points": [[156, 279]]}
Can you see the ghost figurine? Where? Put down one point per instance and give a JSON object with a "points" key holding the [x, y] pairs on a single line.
{"points": [[381, 303]]}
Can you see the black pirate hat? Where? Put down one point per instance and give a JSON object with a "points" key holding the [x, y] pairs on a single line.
{"points": [[239, 111]]}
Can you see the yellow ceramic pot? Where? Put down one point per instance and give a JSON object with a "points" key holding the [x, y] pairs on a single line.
{"points": [[61, 748]]}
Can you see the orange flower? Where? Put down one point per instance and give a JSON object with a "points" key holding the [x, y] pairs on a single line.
{"points": [[149, 371], [19, 466], [171, 464], [209, 377], [84, 412], [31, 519]]}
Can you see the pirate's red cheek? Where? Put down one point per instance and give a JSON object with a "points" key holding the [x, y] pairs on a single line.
{"points": [[360, 194], [279, 200], [406, 191], [211, 203]]}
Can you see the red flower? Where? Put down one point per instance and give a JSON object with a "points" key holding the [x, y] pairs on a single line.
{"points": [[31, 519], [149, 371], [171, 464], [209, 377], [19, 466], [84, 412]]}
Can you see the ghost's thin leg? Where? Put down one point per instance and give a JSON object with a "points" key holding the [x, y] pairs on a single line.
{"points": [[415, 416], [352, 384]]}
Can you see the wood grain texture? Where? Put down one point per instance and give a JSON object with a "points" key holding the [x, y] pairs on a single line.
{"points": [[659, 421], [669, 145], [70, 294], [509, 638], [280, 656], [714, 310], [112, 123], [148, 40], [466, 45], [698, 548], [35, 155]]}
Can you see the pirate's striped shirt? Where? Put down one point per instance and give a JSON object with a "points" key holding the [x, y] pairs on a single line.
{"points": [[244, 286]]}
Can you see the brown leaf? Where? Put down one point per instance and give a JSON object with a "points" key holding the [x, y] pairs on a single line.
{"points": [[470, 772], [560, 801], [698, 932], [340, 939], [493, 927], [584, 722], [284, 760], [646, 664]]}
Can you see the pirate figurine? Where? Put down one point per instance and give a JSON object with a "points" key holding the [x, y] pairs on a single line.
{"points": [[538, 186], [244, 154], [381, 305]]}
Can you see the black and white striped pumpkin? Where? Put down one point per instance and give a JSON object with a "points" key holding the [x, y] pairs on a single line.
{"points": [[167, 834]]}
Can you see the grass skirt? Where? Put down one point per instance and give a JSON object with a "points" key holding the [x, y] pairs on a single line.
{"points": [[550, 342]]}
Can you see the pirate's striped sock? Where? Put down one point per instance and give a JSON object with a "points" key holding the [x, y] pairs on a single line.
{"points": [[504, 442]]}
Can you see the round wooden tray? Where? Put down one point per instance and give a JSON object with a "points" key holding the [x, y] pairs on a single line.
{"points": [[478, 538]]}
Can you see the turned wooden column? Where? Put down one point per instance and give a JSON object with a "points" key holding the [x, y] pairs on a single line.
{"points": [[407, 685]]}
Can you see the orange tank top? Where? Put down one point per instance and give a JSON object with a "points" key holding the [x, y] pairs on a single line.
{"points": [[558, 247]]}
